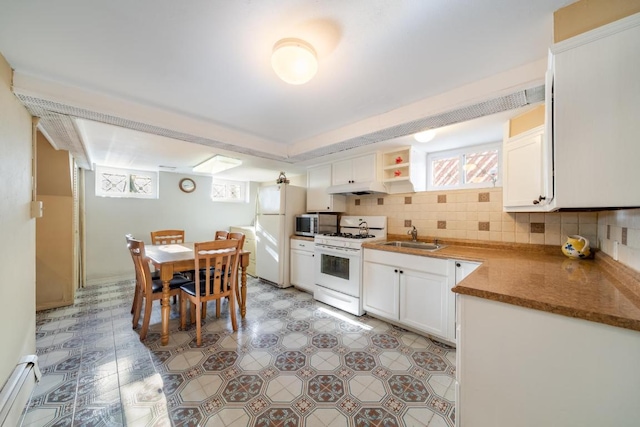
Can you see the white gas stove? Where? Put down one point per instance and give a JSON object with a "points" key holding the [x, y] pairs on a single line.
{"points": [[339, 261], [355, 230]]}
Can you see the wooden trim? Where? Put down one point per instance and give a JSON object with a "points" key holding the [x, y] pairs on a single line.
{"points": [[586, 15]]}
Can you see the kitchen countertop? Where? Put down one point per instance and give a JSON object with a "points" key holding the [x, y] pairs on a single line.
{"points": [[306, 238], [542, 278]]}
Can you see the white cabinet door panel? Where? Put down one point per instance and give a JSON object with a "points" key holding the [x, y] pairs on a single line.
{"points": [[423, 301], [302, 270], [523, 170], [380, 295]]}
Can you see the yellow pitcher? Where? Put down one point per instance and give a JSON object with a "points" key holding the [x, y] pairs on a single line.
{"points": [[576, 247]]}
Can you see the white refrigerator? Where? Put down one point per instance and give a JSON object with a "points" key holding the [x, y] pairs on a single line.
{"points": [[276, 208]]}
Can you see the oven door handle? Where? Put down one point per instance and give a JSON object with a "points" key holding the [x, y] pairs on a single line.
{"points": [[332, 250]]}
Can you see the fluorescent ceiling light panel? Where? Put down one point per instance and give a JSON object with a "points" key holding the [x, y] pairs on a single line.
{"points": [[217, 163]]}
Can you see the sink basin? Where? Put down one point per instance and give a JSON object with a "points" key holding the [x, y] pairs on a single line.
{"points": [[414, 245]]}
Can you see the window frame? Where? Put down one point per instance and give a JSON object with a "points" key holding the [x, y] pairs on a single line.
{"points": [[461, 153], [243, 197], [127, 194]]}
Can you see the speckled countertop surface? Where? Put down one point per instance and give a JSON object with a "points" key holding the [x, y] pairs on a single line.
{"points": [[542, 278]]}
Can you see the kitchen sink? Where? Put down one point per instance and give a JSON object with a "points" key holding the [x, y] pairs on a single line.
{"points": [[414, 245]]}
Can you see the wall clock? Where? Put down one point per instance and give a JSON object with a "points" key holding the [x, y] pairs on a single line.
{"points": [[187, 185]]}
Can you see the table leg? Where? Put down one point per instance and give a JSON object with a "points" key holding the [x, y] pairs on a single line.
{"points": [[243, 292], [242, 298], [166, 274]]}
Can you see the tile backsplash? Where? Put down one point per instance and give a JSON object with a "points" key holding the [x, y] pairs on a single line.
{"points": [[473, 214], [478, 215], [622, 229]]}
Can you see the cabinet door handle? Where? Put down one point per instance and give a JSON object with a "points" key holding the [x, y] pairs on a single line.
{"points": [[458, 264], [401, 271], [541, 198], [395, 271]]}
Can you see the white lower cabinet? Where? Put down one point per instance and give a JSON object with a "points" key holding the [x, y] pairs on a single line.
{"points": [[517, 366], [410, 290], [302, 265], [423, 301], [381, 290]]}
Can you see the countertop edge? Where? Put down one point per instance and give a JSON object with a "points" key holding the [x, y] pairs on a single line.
{"points": [[598, 317], [622, 279]]}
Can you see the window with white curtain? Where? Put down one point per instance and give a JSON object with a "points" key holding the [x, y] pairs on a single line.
{"points": [[471, 167]]}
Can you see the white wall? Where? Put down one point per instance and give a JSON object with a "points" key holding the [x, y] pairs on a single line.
{"points": [[109, 219], [18, 231]]}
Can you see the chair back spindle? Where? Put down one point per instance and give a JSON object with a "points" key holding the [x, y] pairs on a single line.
{"points": [[167, 237]]}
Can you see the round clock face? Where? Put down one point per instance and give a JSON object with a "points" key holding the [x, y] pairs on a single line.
{"points": [[187, 185]]}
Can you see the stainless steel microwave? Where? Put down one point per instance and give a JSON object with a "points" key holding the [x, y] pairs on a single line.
{"points": [[312, 224]]}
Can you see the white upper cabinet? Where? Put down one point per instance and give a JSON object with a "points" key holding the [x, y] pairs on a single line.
{"points": [[524, 169], [588, 153], [596, 110], [318, 200], [404, 170], [355, 170]]}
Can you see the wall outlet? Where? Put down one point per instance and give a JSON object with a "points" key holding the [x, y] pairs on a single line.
{"points": [[36, 209]]}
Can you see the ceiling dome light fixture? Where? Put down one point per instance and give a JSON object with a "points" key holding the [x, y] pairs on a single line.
{"points": [[425, 136], [294, 61]]}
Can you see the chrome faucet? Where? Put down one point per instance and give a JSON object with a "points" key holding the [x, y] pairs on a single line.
{"points": [[414, 233]]}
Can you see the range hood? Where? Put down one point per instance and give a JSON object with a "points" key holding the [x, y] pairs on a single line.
{"points": [[358, 188]]}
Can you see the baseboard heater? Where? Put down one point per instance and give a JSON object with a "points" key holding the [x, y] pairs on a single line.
{"points": [[17, 390]]}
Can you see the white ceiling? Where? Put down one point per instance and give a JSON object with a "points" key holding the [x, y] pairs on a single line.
{"points": [[202, 69]]}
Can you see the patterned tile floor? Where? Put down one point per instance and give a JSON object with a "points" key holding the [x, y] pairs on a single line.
{"points": [[293, 362]]}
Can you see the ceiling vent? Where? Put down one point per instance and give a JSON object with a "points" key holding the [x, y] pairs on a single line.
{"points": [[57, 121], [459, 115]]}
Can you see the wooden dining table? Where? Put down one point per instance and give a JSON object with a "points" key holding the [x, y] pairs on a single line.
{"points": [[175, 258]]}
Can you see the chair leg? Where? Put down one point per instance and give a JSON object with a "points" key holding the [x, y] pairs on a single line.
{"points": [[146, 320], [198, 326], [137, 309], [183, 312], [192, 309], [135, 298], [232, 310], [218, 308], [204, 310]]}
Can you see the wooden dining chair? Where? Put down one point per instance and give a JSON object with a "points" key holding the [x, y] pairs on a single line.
{"points": [[128, 238], [221, 235], [237, 236], [224, 235], [240, 237], [218, 260], [167, 237], [147, 288]]}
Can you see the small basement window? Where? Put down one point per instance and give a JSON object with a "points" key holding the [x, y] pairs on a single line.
{"points": [[229, 191], [129, 183], [471, 167]]}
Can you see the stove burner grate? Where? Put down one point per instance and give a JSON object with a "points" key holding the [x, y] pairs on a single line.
{"points": [[350, 235]]}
